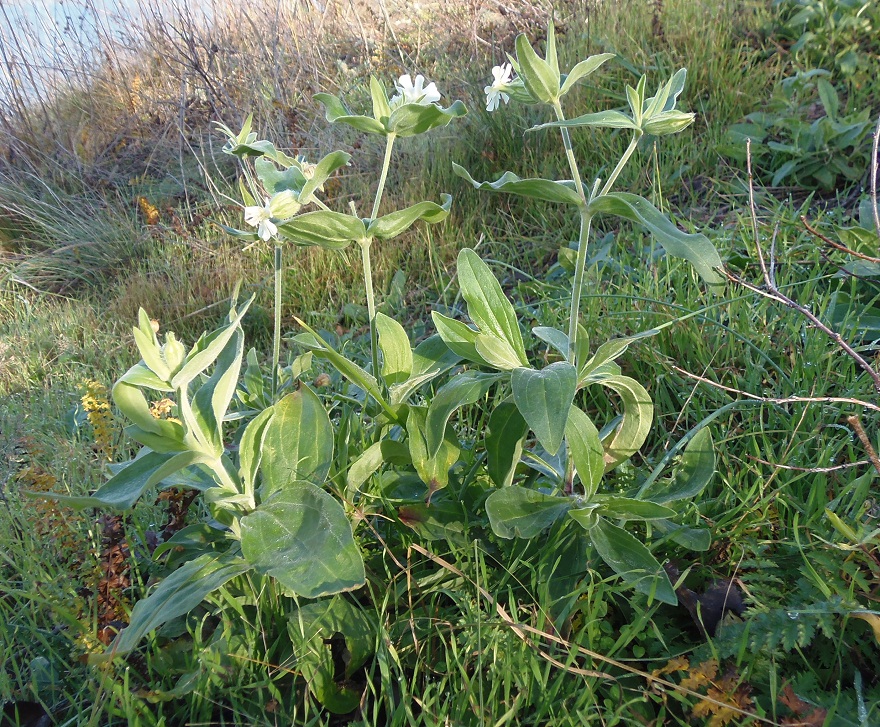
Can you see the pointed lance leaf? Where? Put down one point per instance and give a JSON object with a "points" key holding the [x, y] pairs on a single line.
{"points": [[534, 188], [695, 248], [393, 224], [584, 69], [504, 443], [324, 228]]}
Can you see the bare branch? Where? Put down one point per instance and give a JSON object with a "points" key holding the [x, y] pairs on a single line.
{"points": [[856, 424]]}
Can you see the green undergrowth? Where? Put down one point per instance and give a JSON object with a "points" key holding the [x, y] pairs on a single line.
{"points": [[467, 628]]}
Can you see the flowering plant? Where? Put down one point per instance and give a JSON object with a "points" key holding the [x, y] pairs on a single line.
{"points": [[287, 501]]}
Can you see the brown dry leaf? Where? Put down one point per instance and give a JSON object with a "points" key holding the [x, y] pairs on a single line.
{"points": [[700, 675], [805, 714]]}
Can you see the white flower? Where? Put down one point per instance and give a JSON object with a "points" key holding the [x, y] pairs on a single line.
{"points": [[409, 91], [261, 218], [501, 77]]}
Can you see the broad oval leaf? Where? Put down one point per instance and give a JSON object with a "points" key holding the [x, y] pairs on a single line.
{"points": [[393, 224], [544, 398], [534, 188], [397, 357], [554, 338], [632, 561], [487, 305], [175, 596], [302, 538], [431, 358], [312, 628], [516, 512], [695, 248], [250, 448], [298, 442], [324, 228], [496, 352], [585, 449], [504, 442]]}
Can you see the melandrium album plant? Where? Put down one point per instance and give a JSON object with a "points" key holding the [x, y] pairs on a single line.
{"points": [[288, 501]]}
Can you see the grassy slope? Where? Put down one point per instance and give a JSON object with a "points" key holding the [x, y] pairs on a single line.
{"points": [[444, 653]]}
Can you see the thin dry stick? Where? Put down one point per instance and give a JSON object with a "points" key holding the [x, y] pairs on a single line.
{"points": [[837, 245], [521, 629], [816, 470], [856, 424], [780, 400], [771, 291]]}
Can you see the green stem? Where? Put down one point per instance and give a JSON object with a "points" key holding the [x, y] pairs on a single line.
{"points": [[577, 287], [371, 303], [622, 163], [386, 162], [276, 333], [583, 240]]}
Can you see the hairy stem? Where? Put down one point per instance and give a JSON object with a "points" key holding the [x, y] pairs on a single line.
{"points": [[583, 241], [371, 302], [386, 163], [276, 332]]}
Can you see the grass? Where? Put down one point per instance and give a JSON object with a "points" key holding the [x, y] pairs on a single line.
{"points": [[447, 608]]}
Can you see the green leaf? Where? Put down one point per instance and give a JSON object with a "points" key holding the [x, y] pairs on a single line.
{"points": [[391, 225], [602, 119], [554, 338], [540, 80], [298, 443], [122, 490], [324, 228], [695, 248], [670, 122], [585, 449], [386, 451], [627, 508], [638, 413], [397, 357], [335, 112], [632, 561], [379, 97], [431, 358], [175, 596], [583, 69], [301, 537], [534, 188], [606, 353], [207, 349], [698, 539], [458, 336], [693, 474], [432, 465], [544, 398], [250, 448], [148, 346], [487, 305], [321, 173], [504, 442], [290, 180], [413, 118], [210, 402], [828, 97], [133, 404], [312, 629], [141, 376], [515, 512], [496, 352], [350, 370], [465, 388]]}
